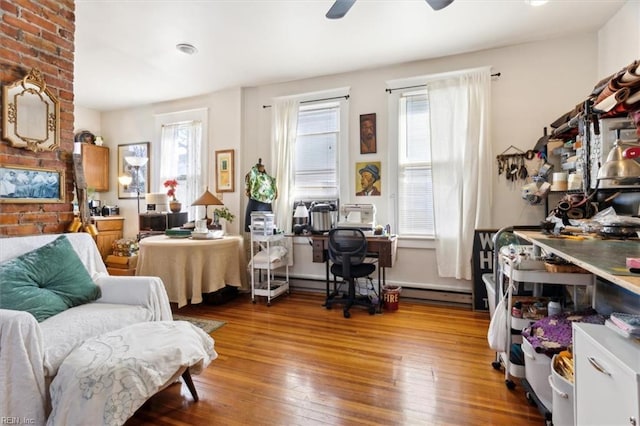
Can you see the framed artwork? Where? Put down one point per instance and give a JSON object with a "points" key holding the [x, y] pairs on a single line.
{"points": [[368, 144], [224, 171], [139, 175], [368, 175], [19, 184]]}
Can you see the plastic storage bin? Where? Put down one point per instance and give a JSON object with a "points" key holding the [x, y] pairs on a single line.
{"points": [[537, 371], [562, 399], [262, 223]]}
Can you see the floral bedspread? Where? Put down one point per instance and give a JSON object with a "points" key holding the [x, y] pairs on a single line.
{"points": [[109, 377]]}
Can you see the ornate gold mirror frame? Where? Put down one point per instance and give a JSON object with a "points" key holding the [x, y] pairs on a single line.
{"points": [[30, 114]]}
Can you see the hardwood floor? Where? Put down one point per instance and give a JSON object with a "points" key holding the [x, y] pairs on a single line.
{"points": [[296, 363]]}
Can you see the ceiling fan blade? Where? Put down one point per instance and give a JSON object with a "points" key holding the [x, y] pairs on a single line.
{"points": [[339, 9], [439, 4]]}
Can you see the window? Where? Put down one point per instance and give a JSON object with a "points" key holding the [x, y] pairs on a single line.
{"points": [[316, 152], [181, 153], [415, 183]]}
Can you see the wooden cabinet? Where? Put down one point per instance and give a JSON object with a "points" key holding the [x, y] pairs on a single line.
{"points": [[95, 162], [607, 376], [109, 230]]}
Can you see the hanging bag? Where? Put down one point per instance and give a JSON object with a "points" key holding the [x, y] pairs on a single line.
{"points": [[497, 334]]}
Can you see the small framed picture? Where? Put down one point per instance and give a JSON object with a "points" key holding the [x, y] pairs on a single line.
{"points": [[224, 171], [368, 143], [20, 184], [139, 174]]}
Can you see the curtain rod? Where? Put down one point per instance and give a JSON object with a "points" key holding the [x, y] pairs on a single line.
{"points": [[424, 85], [315, 100]]}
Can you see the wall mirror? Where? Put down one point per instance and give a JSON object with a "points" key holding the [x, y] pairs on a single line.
{"points": [[30, 114]]}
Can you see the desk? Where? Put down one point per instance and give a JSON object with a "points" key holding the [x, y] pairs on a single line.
{"points": [[381, 247], [604, 258], [191, 267]]}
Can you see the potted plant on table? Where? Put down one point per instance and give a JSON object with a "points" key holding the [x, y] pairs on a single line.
{"points": [[222, 213], [174, 205]]}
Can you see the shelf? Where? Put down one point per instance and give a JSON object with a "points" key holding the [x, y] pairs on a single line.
{"points": [[267, 259], [277, 288], [542, 276]]}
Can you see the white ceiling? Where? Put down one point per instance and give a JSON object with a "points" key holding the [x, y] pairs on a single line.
{"points": [[126, 56]]}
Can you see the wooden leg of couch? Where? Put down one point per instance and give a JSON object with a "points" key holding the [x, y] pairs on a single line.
{"points": [[186, 376]]}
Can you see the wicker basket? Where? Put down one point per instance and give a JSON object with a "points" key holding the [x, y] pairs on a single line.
{"points": [[564, 268]]}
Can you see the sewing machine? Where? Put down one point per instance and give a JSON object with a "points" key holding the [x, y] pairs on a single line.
{"points": [[362, 216]]}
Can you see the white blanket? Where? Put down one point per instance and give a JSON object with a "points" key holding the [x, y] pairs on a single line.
{"points": [[109, 377], [25, 363], [21, 367]]}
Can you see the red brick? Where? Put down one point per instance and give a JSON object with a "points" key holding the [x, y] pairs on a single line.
{"points": [[39, 34], [57, 228], [21, 24], [39, 218], [8, 7], [37, 20], [8, 219], [20, 230]]}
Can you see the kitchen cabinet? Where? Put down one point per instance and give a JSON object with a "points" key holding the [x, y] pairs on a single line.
{"points": [[95, 162], [607, 376], [110, 229]]}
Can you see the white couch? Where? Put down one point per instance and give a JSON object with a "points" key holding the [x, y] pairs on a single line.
{"points": [[32, 352]]}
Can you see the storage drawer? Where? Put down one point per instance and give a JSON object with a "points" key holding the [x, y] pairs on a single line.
{"points": [[109, 224], [607, 371], [537, 371], [562, 399]]}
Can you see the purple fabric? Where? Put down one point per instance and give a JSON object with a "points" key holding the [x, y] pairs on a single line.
{"points": [[553, 334]]}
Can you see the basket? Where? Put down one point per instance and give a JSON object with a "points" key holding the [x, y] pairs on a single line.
{"points": [[567, 268]]}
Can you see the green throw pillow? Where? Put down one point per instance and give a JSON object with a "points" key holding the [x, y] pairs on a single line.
{"points": [[46, 281]]}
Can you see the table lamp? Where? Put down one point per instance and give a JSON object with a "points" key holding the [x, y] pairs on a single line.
{"points": [[300, 219], [207, 199]]}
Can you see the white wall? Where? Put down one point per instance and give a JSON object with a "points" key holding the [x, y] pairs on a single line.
{"points": [[619, 40], [539, 82], [137, 125]]}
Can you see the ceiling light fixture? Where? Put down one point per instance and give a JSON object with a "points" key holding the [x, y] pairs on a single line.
{"points": [[186, 48], [536, 2]]}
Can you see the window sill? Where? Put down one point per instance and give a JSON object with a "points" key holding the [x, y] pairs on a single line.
{"points": [[416, 242]]}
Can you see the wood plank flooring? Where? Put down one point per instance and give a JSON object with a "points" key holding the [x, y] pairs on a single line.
{"points": [[297, 363]]}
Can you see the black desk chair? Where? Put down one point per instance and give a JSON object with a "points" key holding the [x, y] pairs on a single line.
{"points": [[347, 250]]}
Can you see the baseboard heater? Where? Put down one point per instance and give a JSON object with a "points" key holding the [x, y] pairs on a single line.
{"points": [[441, 296]]}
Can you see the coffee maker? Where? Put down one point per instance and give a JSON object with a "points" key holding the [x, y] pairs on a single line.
{"points": [[95, 207]]}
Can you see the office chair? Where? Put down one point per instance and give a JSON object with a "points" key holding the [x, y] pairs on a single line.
{"points": [[347, 250]]}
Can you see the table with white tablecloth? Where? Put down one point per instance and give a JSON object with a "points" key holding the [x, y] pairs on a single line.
{"points": [[190, 267]]}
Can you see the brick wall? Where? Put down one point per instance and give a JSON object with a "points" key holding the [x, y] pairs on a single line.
{"points": [[39, 34]]}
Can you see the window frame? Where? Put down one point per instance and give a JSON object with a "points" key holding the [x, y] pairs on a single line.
{"points": [[395, 135], [342, 147]]}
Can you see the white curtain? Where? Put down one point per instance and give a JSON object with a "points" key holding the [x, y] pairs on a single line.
{"points": [[461, 154], [285, 129], [181, 144]]}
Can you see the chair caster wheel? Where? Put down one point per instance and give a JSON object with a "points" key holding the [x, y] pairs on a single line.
{"points": [[347, 314], [372, 310], [510, 384], [496, 365], [253, 301]]}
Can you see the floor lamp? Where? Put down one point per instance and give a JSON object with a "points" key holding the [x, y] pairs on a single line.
{"points": [[136, 163]]}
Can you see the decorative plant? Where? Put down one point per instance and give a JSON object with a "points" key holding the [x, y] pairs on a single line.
{"points": [[224, 213], [171, 184]]}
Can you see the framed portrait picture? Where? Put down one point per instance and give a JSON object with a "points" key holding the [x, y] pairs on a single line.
{"points": [[224, 171], [368, 144], [139, 173], [368, 178], [20, 184]]}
